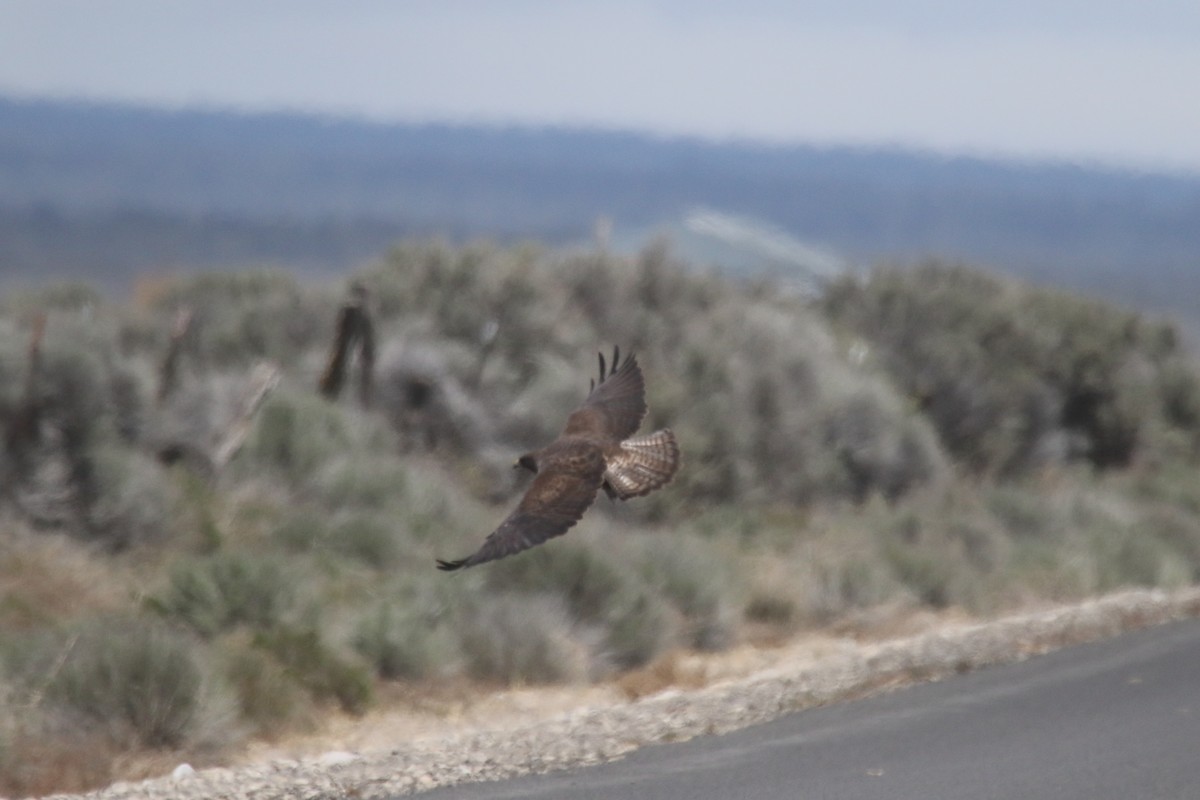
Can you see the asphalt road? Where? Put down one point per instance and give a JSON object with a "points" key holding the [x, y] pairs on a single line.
{"points": [[1115, 720]]}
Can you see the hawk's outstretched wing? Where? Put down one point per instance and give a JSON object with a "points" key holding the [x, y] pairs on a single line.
{"points": [[615, 408], [565, 486]]}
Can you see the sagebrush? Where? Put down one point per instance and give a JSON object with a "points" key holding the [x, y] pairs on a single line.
{"points": [[933, 437]]}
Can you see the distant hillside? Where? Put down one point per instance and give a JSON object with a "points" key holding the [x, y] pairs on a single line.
{"points": [[79, 184], [111, 248]]}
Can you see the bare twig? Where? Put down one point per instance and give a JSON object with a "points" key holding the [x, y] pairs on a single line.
{"points": [[264, 378], [35, 697]]}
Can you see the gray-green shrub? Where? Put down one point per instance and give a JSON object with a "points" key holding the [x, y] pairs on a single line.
{"points": [[215, 593], [143, 683]]}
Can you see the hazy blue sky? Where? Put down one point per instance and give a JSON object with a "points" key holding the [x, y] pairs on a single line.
{"points": [[1079, 79]]}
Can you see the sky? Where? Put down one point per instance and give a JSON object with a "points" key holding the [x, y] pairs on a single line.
{"points": [[1082, 80]]}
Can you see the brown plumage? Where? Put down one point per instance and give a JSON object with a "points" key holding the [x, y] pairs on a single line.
{"points": [[596, 450]]}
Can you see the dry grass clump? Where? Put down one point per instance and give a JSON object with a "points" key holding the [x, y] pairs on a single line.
{"points": [[144, 685], [599, 592], [107, 686], [524, 640], [48, 580], [43, 752], [699, 583], [325, 670], [268, 700], [405, 642]]}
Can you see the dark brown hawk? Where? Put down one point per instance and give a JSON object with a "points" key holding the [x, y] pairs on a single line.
{"points": [[597, 450]]}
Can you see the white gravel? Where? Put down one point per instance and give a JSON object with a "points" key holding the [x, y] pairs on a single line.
{"points": [[592, 735]]}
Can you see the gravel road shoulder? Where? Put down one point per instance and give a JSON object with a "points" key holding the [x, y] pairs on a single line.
{"points": [[610, 725]]}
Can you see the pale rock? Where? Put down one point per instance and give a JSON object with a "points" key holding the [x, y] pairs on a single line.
{"points": [[183, 772]]}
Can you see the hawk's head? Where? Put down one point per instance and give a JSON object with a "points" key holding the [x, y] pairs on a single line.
{"points": [[527, 461]]}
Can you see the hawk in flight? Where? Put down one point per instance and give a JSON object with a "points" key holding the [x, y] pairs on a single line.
{"points": [[597, 450]]}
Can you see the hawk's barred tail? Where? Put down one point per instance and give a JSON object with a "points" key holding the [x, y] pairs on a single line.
{"points": [[644, 464]]}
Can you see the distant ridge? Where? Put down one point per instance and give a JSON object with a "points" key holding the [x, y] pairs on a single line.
{"points": [[233, 188]]}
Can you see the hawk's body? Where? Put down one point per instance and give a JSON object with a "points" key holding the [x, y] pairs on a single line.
{"points": [[594, 451]]}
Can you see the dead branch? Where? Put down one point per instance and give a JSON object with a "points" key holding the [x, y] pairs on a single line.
{"points": [[353, 329], [169, 372], [264, 378], [21, 432]]}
